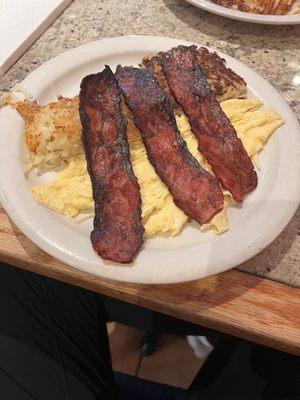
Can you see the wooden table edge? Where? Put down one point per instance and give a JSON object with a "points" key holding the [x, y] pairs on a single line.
{"points": [[215, 316]]}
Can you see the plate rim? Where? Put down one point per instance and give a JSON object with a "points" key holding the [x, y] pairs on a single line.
{"points": [[207, 5], [69, 259]]}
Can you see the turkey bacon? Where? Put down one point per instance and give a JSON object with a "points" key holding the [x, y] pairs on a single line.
{"points": [[194, 190], [118, 231], [217, 138]]}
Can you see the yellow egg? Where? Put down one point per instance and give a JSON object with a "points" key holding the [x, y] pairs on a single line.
{"points": [[70, 192], [254, 125]]}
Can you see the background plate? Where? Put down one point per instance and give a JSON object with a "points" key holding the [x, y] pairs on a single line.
{"points": [[247, 17], [190, 255]]}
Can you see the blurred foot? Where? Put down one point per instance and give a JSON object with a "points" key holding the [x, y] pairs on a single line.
{"points": [[201, 346]]}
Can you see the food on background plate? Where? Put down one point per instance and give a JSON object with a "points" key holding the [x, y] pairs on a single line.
{"points": [[70, 193], [194, 190], [275, 7], [118, 230]]}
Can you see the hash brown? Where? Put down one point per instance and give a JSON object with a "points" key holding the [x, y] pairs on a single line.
{"points": [[224, 82]]}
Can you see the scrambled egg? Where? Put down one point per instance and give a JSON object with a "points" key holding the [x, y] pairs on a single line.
{"points": [[70, 192]]}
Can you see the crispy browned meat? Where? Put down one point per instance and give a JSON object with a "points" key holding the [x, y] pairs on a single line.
{"points": [[153, 65], [258, 6], [225, 83], [217, 139], [118, 231], [194, 190]]}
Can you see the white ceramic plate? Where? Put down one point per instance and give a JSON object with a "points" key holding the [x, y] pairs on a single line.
{"points": [[192, 254], [207, 5]]}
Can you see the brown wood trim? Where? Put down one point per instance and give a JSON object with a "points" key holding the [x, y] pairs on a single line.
{"points": [[233, 302]]}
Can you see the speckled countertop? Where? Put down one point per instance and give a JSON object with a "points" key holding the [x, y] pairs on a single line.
{"points": [[274, 52]]}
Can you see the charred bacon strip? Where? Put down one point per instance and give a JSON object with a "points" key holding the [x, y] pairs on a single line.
{"points": [[118, 232], [217, 138], [194, 190]]}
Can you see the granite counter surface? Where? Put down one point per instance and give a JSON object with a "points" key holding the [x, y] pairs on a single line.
{"points": [[273, 51]]}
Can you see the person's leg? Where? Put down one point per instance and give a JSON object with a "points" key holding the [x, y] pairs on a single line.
{"points": [[152, 321], [238, 370], [53, 340]]}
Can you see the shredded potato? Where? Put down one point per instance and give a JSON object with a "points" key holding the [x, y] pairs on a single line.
{"points": [[52, 132]]}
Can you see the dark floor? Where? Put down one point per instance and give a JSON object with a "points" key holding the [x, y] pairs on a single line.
{"points": [[173, 362]]}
